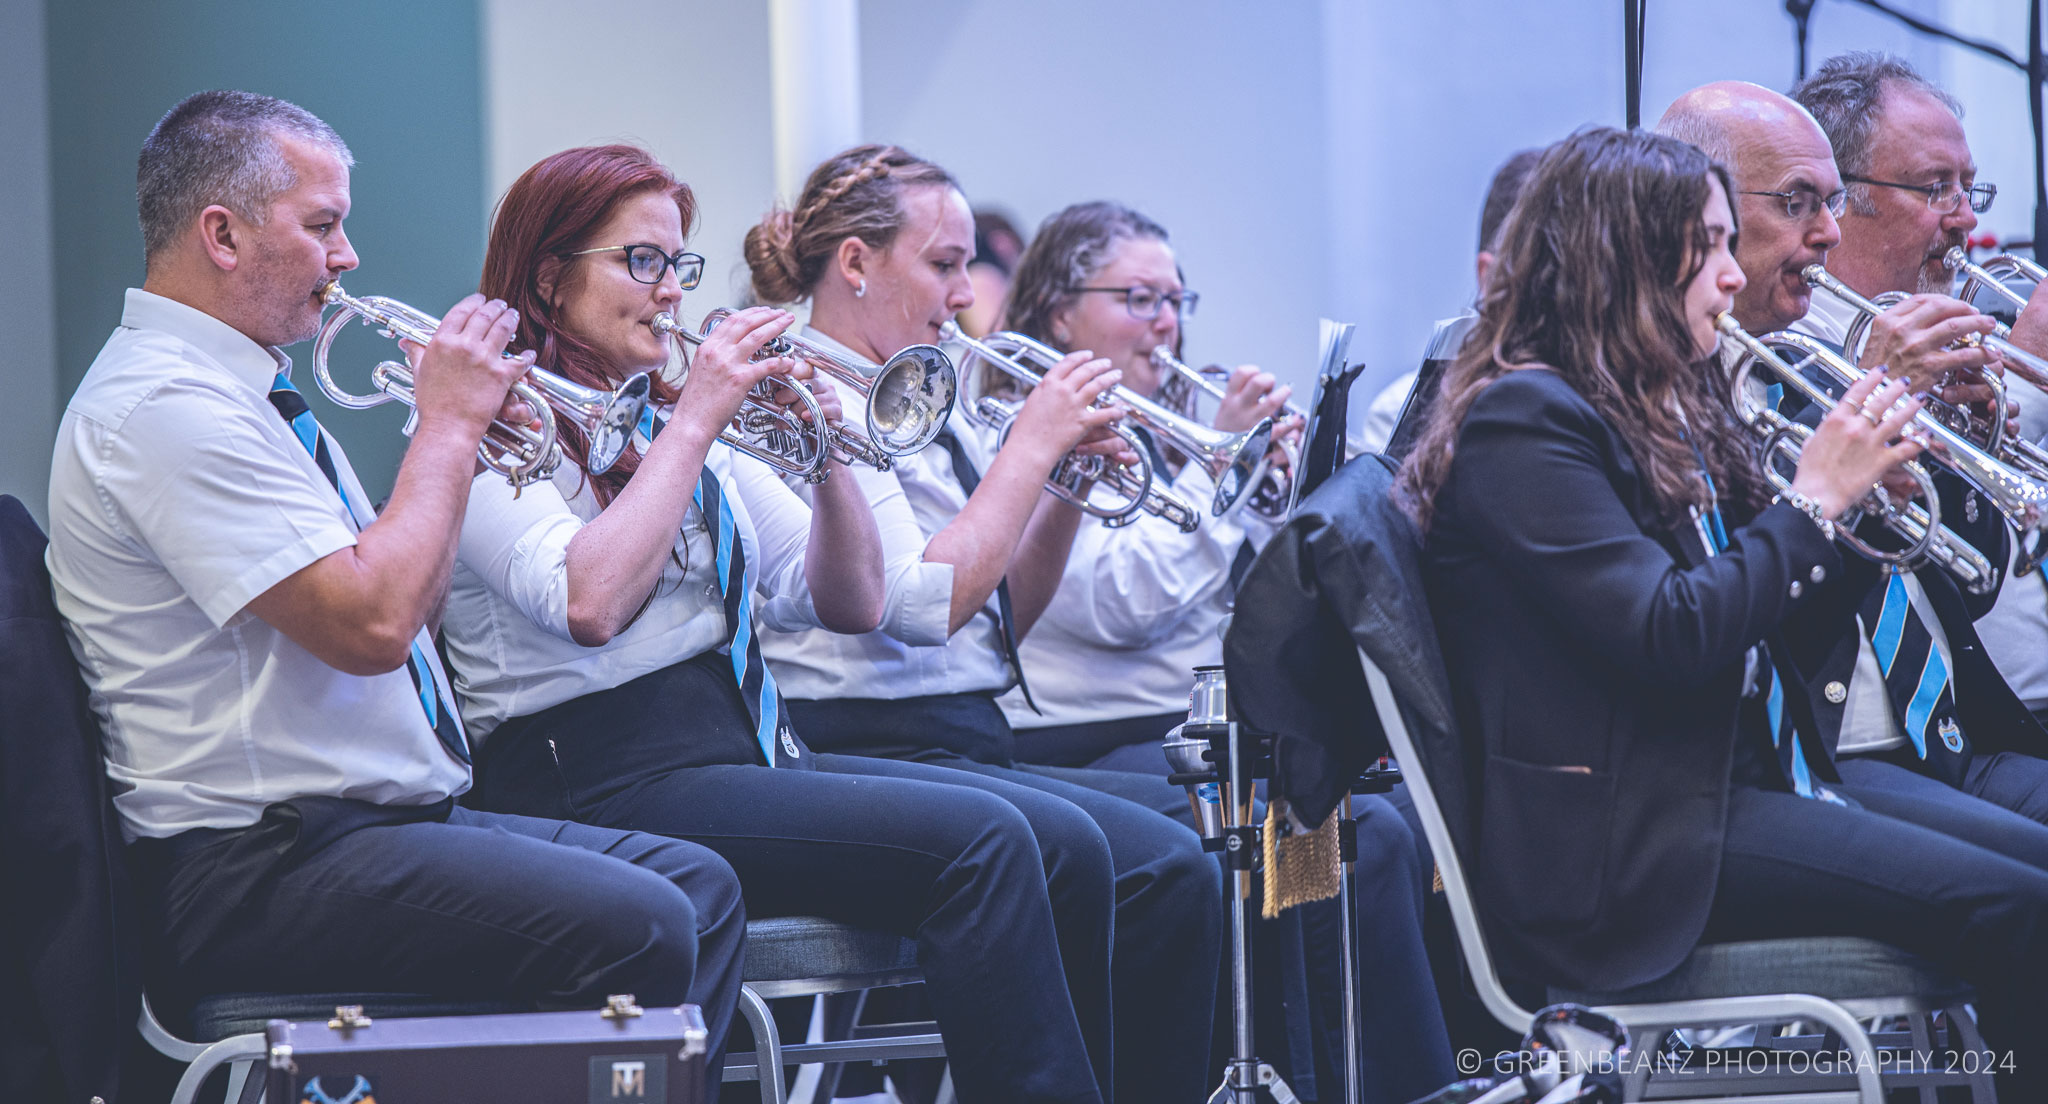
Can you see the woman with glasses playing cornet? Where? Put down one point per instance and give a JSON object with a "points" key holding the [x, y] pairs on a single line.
{"points": [[878, 242], [604, 628], [1113, 657]]}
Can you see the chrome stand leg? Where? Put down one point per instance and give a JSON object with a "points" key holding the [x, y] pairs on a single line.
{"points": [[1245, 1076], [1347, 835]]}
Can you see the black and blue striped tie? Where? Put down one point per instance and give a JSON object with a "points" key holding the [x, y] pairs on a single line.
{"points": [[292, 406], [736, 587], [1770, 687], [1915, 675]]}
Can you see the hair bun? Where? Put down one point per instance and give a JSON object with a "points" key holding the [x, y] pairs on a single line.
{"points": [[770, 250]]}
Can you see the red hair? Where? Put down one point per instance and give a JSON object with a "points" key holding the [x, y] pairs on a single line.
{"points": [[547, 214]]}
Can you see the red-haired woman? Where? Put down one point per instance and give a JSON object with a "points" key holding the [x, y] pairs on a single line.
{"points": [[603, 628], [878, 242]]}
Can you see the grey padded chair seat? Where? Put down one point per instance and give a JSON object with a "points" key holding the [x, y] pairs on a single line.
{"points": [[229, 1014], [785, 952], [1862, 975]]}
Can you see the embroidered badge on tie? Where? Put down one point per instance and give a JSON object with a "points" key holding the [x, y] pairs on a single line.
{"points": [[788, 743], [1951, 736]]}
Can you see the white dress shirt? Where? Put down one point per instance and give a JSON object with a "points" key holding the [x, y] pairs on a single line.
{"points": [[507, 625], [177, 495], [910, 655], [1135, 614]]}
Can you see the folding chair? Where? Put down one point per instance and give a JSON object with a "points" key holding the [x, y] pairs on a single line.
{"points": [[801, 956]]}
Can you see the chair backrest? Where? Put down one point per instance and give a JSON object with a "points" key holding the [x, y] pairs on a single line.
{"points": [[1333, 650], [1417, 773], [61, 859]]}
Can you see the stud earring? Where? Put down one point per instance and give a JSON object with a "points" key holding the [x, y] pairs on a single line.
{"points": [[861, 290]]}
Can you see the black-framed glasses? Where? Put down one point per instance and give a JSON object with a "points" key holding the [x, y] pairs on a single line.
{"points": [[1942, 195], [1143, 302], [1804, 203], [647, 264]]}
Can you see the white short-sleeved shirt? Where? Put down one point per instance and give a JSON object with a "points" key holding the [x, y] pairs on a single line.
{"points": [[507, 625], [1136, 612], [177, 495], [910, 655]]}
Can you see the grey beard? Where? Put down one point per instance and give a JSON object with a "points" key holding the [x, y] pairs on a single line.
{"points": [[1930, 284]]}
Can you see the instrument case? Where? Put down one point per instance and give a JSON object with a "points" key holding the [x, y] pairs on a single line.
{"points": [[622, 1054]]}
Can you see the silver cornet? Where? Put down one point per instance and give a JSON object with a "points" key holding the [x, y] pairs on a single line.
{"points": [[1232, 459], [908, 400], [1992, 274], [1917, 522], [1271, 488], [520, 453], [2024, 455], [1131, 488]]}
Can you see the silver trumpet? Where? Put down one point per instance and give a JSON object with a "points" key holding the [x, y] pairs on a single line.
{"points": [[1992, 275], [520, 453], [1917, 522], [1271, 487], [2024, 455], [908, 401], [1131, 488]]}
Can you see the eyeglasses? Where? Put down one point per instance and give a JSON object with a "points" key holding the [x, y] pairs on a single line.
{"points": [[1143, 302], [647, 264], [1942, 195], [1804, 203]]}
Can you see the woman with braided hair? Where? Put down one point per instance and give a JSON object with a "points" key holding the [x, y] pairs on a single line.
{"points": [[595, 629], [878, 243]]}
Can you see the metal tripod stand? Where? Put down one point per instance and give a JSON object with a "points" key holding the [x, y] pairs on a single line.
{"points": [[1239, 759]]}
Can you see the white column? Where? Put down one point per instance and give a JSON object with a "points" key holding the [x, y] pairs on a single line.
{"points": [[814, 50]]}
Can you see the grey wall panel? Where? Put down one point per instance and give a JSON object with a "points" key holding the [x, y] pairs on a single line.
{"points": [[399, 80]]}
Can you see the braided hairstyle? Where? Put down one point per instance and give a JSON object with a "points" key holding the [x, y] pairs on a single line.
{"points": [[855, 193]]}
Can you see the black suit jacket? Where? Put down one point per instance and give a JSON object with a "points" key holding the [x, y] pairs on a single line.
{"points": [[71, 962], [1596, 656]]}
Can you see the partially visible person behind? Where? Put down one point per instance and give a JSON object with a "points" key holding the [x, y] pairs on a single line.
{"points": [[1618, 596], [601, 627], [1384, 414], [997, 248], [284, 746], [878, 242]]}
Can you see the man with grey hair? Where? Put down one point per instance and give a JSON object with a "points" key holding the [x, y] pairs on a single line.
{"points": [[1913, 196], [283, 743]]}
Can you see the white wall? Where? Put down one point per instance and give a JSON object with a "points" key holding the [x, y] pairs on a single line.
{"points": [[1310, 157], [686, 78], [1204, 114], [28, 333]]}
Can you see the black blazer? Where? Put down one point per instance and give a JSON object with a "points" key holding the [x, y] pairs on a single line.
{"points": [[73, 983], [1596, 658]]}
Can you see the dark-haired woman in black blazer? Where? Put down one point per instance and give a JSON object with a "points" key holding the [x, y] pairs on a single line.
{"points": [[1617, 593]]}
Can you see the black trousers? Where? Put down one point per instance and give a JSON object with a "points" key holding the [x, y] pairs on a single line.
{"points": [[1898, 791], [1404, 1048], [1006, 889], [1168, 931], [479, 905], [1791, 866]]}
